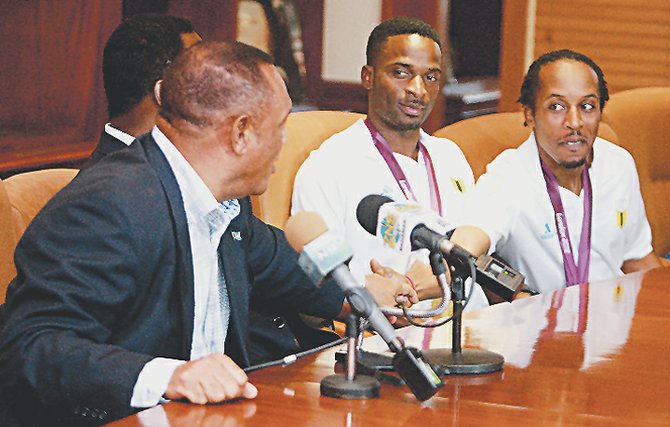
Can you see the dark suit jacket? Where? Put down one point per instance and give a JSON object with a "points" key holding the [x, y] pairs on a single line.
{"points": [[105, 284], [107, 145], [272, 334]]}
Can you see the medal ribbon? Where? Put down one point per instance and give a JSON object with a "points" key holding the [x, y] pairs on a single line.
{"points": [[387, 154], [574, 274]]}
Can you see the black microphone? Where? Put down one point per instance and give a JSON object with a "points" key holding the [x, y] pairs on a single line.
{"points": [[324, 253], [406, 226]]}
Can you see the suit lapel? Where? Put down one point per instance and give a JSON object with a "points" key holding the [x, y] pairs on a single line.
{"points": [[231, 251], [185, 261]]}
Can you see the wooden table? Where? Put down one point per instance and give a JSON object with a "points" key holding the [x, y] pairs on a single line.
{"points": [[588, 355]]}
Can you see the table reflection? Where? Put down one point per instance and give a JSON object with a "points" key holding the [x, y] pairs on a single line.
{"points": [[597, 318]]}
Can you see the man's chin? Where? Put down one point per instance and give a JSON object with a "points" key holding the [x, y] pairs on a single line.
{"points": [[574, 164], [409, 125]]}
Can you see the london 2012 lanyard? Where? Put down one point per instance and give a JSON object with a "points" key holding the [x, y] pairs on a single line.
{"points": [[397, 172], [574, 274]]}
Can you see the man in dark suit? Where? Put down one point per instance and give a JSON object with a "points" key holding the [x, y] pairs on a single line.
{"points": [[135, 56], [134, 59], [134, 282]]}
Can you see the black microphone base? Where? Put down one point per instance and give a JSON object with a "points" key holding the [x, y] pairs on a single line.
{"points": [[361, 387], [379, 361], [469, 361]]}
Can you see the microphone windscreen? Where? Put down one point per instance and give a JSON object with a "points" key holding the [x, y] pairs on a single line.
{"points": [[367, 211], [304, 227]]}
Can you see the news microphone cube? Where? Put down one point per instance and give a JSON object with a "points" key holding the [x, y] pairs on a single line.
{"points": [[418, 374]]}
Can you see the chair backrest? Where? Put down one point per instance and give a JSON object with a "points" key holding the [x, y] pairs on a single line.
{"points": [[7, 242], [641, 118], [27, 193], [306, 131], [482, 138]]}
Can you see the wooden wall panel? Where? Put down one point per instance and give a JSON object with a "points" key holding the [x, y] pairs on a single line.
{"points": [[629, 39], [52, 103], [516, 49]]}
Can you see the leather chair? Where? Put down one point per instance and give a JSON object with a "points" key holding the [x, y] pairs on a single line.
{"points": [[641, 120], [482, 138], [26, 194], [306, 131], [7, 242]]}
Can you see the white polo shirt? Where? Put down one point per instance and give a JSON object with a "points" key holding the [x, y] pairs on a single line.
{"points": [[511, 204], [347, 167]]}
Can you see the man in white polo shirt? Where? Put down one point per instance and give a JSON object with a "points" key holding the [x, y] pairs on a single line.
{"points": [[388, 153], [565, 207]]}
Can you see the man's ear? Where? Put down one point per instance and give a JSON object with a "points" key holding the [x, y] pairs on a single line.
{"points": [[367, 76], [241, 134], [157, 91], [528, 117]]}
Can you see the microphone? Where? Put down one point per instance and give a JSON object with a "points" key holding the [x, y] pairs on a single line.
{"points": [[406, 226], [324, 253]]}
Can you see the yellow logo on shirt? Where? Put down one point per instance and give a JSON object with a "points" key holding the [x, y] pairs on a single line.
{"points": [[459, 185], [621, 218]]}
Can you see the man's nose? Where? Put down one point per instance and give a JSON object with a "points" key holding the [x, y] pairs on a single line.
{"points": [[573, 119], [417, 87]]}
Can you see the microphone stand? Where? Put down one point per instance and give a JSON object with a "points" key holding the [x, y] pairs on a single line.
{"points": [[459, 360], [351, 385]]}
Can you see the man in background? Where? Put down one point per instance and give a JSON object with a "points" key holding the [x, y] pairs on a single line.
{"points": [[134, 58]]}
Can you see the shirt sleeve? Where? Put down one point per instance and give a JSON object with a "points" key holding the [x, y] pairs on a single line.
{"points": [[488, 207], [316, 189], [152, 382]]}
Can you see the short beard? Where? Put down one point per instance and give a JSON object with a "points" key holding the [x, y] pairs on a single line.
{"points": [[401, 127], [573, 165], [408, 126]]}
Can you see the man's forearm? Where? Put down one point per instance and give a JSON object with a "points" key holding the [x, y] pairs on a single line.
{"points": [[472, 239], [647, 262]]}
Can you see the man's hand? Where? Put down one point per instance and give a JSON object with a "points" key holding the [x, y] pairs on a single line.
{"points": [[211, 379], [419, 275], [386, 286], [427, 286], [522, 295]]}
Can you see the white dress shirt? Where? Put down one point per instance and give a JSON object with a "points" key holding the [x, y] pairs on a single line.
{"points": [[207, 220], [119, 134]]}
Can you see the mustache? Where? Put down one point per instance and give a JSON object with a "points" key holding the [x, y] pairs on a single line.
{"points": [[413, 103], [573, 136]]}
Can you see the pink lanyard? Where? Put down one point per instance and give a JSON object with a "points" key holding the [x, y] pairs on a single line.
{"points": [[574, 274], [399, 176]]}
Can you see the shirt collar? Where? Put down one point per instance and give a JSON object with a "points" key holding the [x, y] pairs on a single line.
{"points": [[197, 197], [119, 134]]}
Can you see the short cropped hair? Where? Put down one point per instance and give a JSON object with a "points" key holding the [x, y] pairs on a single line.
{"points": [[135, 56], [394, 27], [531, 81], [215, 80]]}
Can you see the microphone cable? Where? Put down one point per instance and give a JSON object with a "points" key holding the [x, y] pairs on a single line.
{"points": [[410, 318], [291, 358]]}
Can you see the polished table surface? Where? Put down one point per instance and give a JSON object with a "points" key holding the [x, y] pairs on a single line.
{"points": [[593, 354]]}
